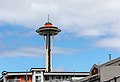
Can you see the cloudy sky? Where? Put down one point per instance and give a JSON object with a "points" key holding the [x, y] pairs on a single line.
{"points": [[90, 31]]}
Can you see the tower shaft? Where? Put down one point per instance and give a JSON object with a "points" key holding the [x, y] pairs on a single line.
{"points": [[48, 53]]}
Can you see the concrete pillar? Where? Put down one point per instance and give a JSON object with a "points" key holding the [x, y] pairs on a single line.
{"points": [[4, 74], [4, 79], [42, 76], [33, 77]]}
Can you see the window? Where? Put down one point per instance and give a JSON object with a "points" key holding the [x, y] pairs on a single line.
{"points": [[52, 77], [38, 72], [66, 77], [63, 77], [58, 77], [38, 78], [46, 78]]}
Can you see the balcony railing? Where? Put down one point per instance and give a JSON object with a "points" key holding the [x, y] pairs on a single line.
{"points": [[14, 80], [115, 79], [58, 81]]}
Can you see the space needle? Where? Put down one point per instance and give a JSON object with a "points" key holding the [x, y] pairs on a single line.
{"points": [[48, 31]]}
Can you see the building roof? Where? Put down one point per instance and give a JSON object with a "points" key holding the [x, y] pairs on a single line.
{"points": [[18, 73], [110, 62], [37, 69], [88, 77], [49, 73], [67, 73], [107, 63], [95, 65]]}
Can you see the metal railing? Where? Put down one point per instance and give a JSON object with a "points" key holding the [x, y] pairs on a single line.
{"points": [[62, 81], [14, 80], [115, 79], [57, 81]]}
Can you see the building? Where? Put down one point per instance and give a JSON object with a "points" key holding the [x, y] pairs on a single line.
{"points": [[39, 75], [107, 72]]}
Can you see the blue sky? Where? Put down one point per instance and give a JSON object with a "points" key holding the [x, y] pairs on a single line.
{"points": [[90, 30]]}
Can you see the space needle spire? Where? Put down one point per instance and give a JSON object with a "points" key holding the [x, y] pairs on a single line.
{"points": [[48, 31]]}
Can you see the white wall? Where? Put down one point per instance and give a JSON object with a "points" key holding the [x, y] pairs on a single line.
{"points": [[109, 72]]}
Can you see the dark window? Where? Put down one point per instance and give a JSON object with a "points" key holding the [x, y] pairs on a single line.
{"points": [[66, 77], [52, 77], [94, 71], [63, 77], [38, 72], [46, 78], [58, 77]]}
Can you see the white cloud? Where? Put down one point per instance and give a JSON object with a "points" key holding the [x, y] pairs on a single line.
{"points": [[20, 33], [83, 18], [82, 13], [34, 52], [24, 51], [64, 51], [110, 43]]}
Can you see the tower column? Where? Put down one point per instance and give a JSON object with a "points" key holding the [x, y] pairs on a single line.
{"points": [[42, 76], [33, 77], [48, 55], [4, 74], [4, 79]]}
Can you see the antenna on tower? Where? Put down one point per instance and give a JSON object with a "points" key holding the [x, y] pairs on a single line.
{"points": [[48, 17]]}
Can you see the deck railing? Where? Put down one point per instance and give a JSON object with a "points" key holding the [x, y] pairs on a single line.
{"points": [[14, 80], [115, 79]]}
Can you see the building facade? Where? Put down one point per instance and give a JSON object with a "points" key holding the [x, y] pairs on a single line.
{"points": [[39, 75], [107, 72]]}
